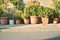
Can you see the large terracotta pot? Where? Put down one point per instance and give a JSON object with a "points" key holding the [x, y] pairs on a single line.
{"points": [[45, 20], [26, 21], [34, 19], [4, 20], [18, 21], [55, 20]]}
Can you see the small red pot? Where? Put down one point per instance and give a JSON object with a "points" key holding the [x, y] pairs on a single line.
{"points": [[18, 21], [26, 21]]}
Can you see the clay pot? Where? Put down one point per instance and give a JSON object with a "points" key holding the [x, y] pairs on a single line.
{"points": [[26, 21], [45, 20], [18, 21], [34, 19], [4, 20], [55, 20]]}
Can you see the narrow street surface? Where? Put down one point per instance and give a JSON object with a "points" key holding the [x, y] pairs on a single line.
{"points": [[40, 35]]}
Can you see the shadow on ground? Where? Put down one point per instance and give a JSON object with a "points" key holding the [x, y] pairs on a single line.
{"points": [[55, 38], [9, 26]]}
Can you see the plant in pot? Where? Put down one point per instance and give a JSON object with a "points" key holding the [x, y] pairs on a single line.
{"points": [[17, 17], [26, 16], [1, 12], [11, 18], [34, 16], [44, 13], [4, 19], [55, 17], [56, 12], [40, 11]]}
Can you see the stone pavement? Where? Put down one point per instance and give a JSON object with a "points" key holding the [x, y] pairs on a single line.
{"points": [[29, 28], [40, 35]]}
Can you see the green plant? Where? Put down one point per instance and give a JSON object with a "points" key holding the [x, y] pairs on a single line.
{"points": [[44, 11], [17, 15], [25, 14], [57, 8], [18, 4], [40, 11], [1, 12], [4, 15], [55, 14], [33, 10]]}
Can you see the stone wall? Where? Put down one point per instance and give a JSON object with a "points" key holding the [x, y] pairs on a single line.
{"points": [[45, 3]]}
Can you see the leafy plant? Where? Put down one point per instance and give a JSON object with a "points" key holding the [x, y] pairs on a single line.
{"points": [[44, 11], [57, 7], [33, 10], [18, 4], [17, 15], [54, 15], [1, 12], [25, 14], [40, 11]]}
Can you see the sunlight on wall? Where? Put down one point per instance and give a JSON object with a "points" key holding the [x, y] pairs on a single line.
{"points": [[45, 3]]}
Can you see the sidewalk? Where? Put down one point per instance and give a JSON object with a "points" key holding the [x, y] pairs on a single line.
{"points": [[29, 28]]}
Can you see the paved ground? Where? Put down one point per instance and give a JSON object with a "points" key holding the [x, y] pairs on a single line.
{"points": [[29, 28], [30, 32], [45, 35]]}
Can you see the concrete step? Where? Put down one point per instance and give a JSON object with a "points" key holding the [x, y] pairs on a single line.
{"points": [[29, 28]]}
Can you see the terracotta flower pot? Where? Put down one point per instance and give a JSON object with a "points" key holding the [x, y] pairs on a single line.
{"points": [[18, 21], [55, 20], [34, 19], [26, 21], [45, 20], [4, 20]]}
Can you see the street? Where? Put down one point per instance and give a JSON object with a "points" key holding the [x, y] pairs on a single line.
{"points": [[40, 35]]}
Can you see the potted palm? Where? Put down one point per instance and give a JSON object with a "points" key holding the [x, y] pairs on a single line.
{"points": [[26, 16], [33, 11], [44, 13], [17, 17]]}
